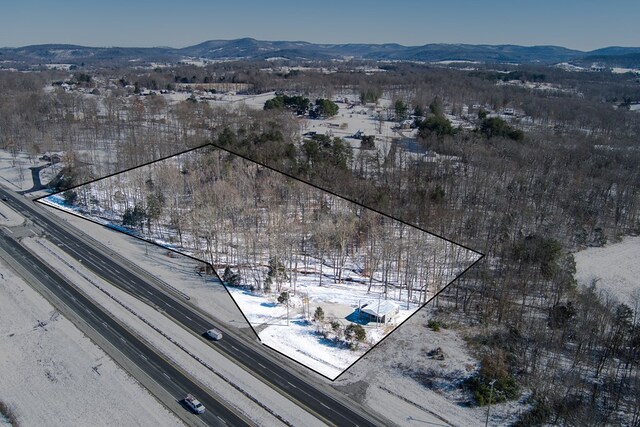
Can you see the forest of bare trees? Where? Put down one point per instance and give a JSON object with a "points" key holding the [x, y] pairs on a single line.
{"points": [[572, 181], [527, 205], [240, 216]]}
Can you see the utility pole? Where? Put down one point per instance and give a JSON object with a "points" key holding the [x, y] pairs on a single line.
{"points": [[287, 302], [486, 423], [378, 312]]}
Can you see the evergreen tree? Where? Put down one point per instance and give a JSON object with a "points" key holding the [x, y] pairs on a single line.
{"points": [[318, 315], [70, 197]]}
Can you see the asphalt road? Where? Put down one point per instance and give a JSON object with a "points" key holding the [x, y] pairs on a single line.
{"points": [[162, 372], [250, 357]]}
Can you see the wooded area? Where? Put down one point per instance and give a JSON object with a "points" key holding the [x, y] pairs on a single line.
{"points": [[572, 180], [264, 231]]}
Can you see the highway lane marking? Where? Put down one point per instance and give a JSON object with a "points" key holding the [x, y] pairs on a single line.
{"points": [[188, 317], [291, 385], [165, 374], [221, 419], [7, 229]]}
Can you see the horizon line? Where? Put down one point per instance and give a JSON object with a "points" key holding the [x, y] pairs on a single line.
{"points": [[317, 44]]}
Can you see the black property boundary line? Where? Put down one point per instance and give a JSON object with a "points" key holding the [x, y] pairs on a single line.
{"points": [[343, 198], [150, 162], [39, 200], [481, 255], [153, 243]]}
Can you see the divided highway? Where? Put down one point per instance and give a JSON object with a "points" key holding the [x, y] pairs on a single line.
{"points": [[162, 372], [252, 358]]}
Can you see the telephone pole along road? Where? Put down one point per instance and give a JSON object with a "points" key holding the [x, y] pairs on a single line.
{"points": [[250, 356]]}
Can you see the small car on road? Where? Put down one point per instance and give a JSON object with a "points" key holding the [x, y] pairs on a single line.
{"points": [[194, 404], [214, 334]]}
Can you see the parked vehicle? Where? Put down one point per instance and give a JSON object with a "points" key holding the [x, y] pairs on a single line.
{"points": [[194, 404], [214, 334]]}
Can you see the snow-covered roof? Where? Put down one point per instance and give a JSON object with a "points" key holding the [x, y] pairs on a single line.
{"points": [[379, 310]]}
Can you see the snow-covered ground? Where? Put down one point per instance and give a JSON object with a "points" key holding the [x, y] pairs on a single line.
{"points": [[349, 120], [51, 374], [614, 267], [14, 170], [377, 369], [416, 389], [186, 350], [9, 217], [177, 270], [15, 174], [620, 70], [440, 261], [296, 336]]}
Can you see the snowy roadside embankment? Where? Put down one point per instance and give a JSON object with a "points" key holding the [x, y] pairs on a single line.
{"points": [[50, 371], [185, 350], [177, 270], [9, 217]]}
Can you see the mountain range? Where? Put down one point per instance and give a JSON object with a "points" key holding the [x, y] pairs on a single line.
{"points": [[248, 48]]}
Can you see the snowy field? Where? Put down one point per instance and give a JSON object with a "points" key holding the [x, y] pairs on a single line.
{"points": [[349, 120], [51, 373], [614, 267], [296, 336], [15, 174], [14, 171]]}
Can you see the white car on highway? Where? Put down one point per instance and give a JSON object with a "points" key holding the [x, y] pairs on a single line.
{"points": [[214, 334], [194, 404]]}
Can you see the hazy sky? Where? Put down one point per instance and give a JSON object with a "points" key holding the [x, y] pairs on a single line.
{"points": [[578, 24]]}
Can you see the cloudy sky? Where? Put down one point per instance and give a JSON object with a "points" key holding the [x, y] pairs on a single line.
{"points": [[581, 24]]}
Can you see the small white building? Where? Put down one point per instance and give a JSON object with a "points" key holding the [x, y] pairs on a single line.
{"points": [[382, 311]]}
